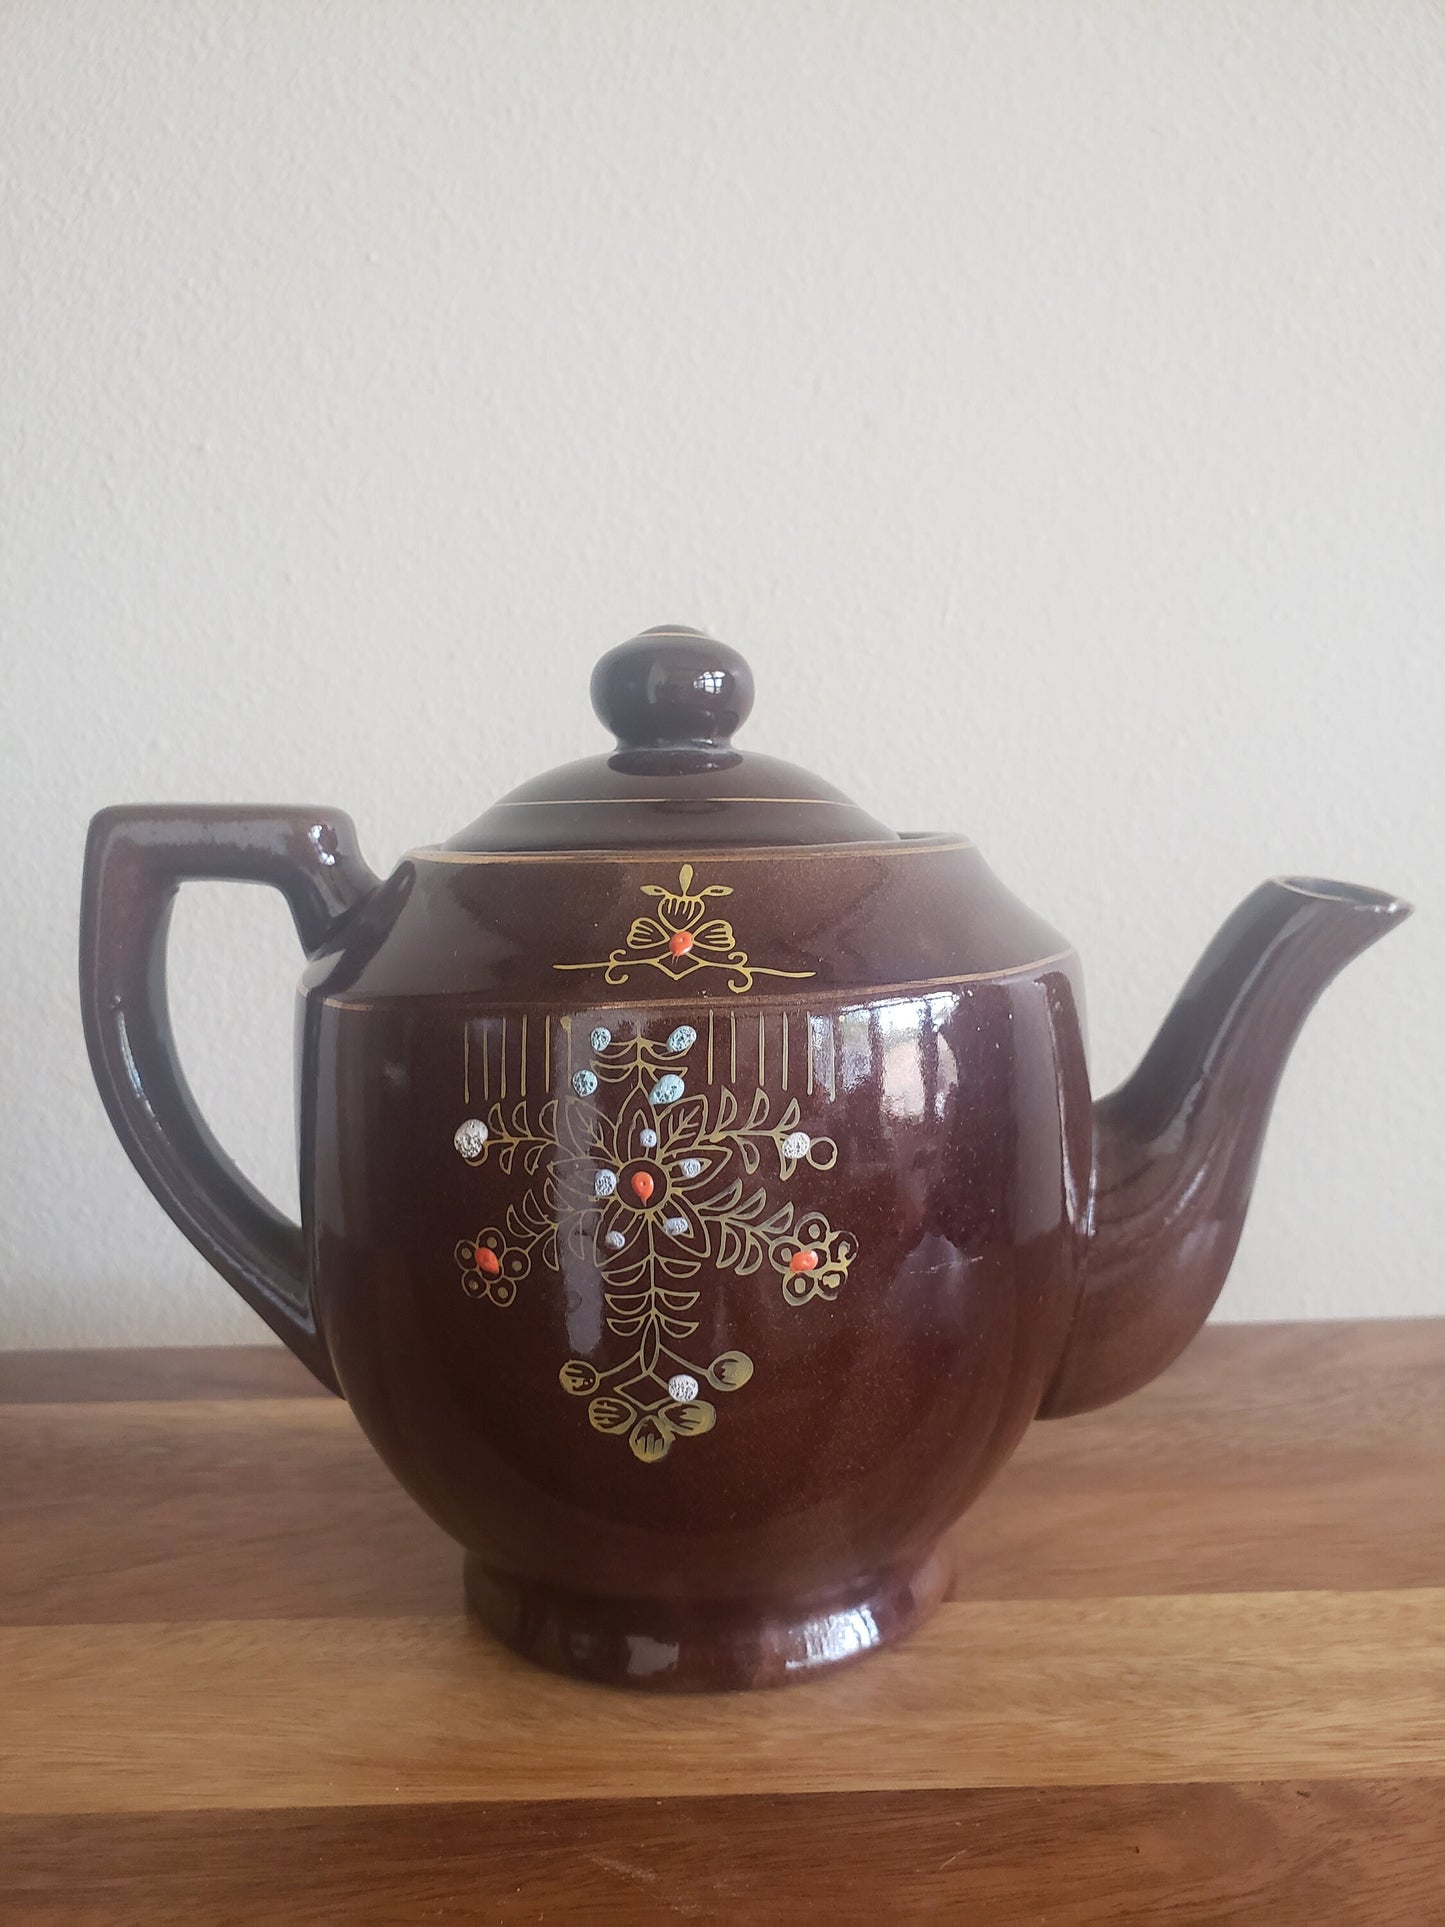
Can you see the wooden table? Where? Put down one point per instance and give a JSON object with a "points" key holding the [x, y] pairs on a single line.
{"points": [[1193, 1669]]}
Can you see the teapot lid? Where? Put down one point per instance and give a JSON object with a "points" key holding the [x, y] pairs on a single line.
{"points": [[672, 697]]}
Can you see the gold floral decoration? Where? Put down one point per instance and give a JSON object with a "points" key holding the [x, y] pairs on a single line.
{"points": [[682, 938], [654, 1186]]}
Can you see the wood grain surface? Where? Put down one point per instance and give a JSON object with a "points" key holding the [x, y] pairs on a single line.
{"points": [[1193, 1669]]}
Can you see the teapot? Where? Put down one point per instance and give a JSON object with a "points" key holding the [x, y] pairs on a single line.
{"points": [[700, 1186]]}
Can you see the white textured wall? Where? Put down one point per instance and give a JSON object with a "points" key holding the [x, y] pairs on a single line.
{"points": [[1046, 397]]}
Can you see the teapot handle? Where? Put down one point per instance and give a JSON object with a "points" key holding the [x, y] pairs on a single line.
{"points": [[135, 860]]}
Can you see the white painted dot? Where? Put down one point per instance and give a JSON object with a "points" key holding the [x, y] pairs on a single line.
{"points": [[797, 1144], [683, 1038], [679, 1227], [584, 1083], [605, 1183], [667, 1090], [683, 1387], [601, 1037], [691, 1167], [614, 1241], [647, 1139], [471, 1137]]}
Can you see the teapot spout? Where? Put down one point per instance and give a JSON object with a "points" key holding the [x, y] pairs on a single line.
{"points": [[1176, 1147]]}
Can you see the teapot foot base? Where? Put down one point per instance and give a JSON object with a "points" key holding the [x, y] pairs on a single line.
{"points": [[676, 1646]]}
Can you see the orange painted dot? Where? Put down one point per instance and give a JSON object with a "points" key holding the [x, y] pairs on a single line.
{"points": [[643, 1185], [803, 1261], [680, 942], [489, 1262]]}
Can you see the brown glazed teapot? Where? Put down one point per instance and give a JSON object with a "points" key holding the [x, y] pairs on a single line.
{"points": [[701, 1189]]}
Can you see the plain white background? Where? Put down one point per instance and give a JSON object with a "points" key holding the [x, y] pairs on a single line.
{"points": [[1047, 398]]}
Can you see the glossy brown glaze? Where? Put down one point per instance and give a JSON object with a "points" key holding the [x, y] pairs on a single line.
{"points": [[851, 1409], [695, 1230], [1177, 1146], [135, 860], [673, 698]]}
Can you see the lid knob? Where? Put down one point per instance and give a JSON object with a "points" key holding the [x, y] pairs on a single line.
{"points": [[672, 688]]}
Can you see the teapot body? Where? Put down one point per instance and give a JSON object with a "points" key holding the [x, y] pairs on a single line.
{"points": [[693, 1239]]}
